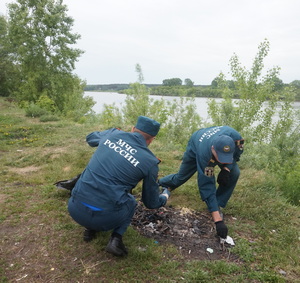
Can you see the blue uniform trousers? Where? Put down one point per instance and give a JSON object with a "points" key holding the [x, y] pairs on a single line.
{"points": [[116, 218], [188, 168]]}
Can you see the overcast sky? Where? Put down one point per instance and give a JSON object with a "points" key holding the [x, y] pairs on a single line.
{"points": [[181, 38]]}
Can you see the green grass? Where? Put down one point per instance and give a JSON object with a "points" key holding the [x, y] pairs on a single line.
{"points": [[41, 243]]}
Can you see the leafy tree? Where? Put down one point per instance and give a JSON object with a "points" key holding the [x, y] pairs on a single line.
{"points": [[278, 84], [138, 69], [295, 83], [254, 111], [7, 69], [40, 40], [214, 83], [188, 82], [172, 82], [138, 102], [183, 120]]}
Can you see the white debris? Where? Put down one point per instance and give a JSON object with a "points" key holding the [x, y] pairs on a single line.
{"points": [[22, 277], [282, 272], [229, 241], [210, 250]]}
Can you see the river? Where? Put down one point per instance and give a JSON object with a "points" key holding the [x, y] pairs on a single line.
{"points": [[102, 98]]}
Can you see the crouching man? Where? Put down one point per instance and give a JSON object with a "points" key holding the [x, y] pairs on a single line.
{"points": [[101, 199], [219, 146]]}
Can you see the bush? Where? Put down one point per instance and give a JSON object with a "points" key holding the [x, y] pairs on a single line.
{"points": [[49, 118], [291, 185], [110, 117], [33, 110]]}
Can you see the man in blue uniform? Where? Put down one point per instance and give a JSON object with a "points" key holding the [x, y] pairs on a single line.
{"points": [[101, 199], [207, 148]]}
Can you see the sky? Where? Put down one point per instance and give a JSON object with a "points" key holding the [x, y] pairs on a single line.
{"points": [[192, 39]]}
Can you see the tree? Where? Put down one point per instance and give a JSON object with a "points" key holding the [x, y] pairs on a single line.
{"points": [[188, 82], [253, 114], [295, 83], [214, 83], [40, 39], [172, 82], [7, 70], [138, 69]]}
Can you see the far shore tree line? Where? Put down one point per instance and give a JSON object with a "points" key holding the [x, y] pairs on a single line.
{"points": [[175, 87]]}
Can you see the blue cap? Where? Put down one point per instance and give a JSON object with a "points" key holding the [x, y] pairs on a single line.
{"points": [[147, 125], [224, 147]]}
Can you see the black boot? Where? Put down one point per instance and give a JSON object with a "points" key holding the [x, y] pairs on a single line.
{"points": [[116, 247], [67, 184], [89, 235]]}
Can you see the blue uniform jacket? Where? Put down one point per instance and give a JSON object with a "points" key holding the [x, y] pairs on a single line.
{"points": [[120, 161], [197, 157]]}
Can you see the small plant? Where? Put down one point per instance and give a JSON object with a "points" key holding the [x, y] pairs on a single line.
{"points": [[49, 118], [291, 184], [34, 110]]}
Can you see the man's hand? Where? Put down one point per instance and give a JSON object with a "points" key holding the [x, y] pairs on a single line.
{"points": [[223, 178], [222, 229]]}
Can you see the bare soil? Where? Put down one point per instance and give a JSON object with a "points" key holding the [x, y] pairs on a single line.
{"points": [[193, 233]]}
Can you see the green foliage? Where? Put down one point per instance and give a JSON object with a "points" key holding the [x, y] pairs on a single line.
{"points": [[8, 77], [33, 110], [291, 183], [172, 82], [197, 91], [207, 92], [296, 85], [138, 69], [169, 90], [139, 103], [111, 117], [264, 115], [259, 100], [40, 43], [178, 119], [73, 104], [183, 121], [49, 118], [188, 82], [107, 87], [46, 103]]}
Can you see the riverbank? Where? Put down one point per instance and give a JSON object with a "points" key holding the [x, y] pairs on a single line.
{"points": [[41, 243]]}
